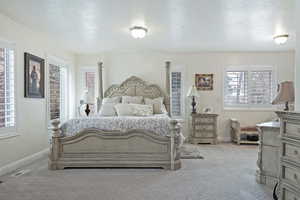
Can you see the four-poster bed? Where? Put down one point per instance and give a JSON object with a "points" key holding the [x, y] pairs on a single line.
{"points": [[94, 145]]}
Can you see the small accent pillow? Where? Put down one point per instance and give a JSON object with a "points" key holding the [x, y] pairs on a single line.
{"points": [[107, 109], [133, 110], [142, 110], [132, 99], [114, 100], [158, 106]]}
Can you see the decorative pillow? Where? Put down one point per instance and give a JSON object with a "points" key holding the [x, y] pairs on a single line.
{"points": [[156, 103], [132, 99], [107, 109], [113, 100], [142, 110], [124, 109]]}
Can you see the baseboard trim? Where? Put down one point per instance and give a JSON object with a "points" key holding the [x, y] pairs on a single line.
{"points": [[22, 162]]}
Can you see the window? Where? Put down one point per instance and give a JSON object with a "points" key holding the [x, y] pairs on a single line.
{"points": [[7, 89], [249, 86], [58, 91], [177, 94]]}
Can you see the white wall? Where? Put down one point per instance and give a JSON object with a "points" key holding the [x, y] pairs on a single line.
{"points": [[297, 64], [150, 66], [31, 113]]}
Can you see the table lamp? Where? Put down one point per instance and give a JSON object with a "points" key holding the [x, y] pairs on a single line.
{"points": [[193, 93], [285, 95]]}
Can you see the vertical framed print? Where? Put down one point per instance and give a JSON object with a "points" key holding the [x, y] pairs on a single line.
{"points": [[34, 76]]}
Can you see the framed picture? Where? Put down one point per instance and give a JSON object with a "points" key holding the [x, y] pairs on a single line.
{"points": [[34, 76], [204, 81]]}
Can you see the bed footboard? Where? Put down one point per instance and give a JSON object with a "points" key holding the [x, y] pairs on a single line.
{"points": [[99, 148]]}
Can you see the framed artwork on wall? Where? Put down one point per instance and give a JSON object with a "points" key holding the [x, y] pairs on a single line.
{"points": [[204, 81], [34, 68]]}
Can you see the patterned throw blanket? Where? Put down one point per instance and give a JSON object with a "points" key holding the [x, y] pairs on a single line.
{"points": [[158, 124]]}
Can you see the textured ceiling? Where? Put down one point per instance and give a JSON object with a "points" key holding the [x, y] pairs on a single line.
{"points": [[90, 26]]}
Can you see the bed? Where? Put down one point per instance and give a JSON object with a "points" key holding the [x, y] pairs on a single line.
{"points": [[152, 141]]}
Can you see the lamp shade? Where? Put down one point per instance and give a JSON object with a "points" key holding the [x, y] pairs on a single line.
{"points": [[193, 92], [88, 97], [286, 93]]}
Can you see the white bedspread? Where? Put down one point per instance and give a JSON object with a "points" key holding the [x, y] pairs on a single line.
{"points": [[158, 124]]}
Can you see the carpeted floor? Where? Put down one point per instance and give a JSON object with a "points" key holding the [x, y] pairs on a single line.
{"points": [[227, 172]]}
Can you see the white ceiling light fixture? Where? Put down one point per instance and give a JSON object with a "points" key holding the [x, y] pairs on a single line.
{"points": [[281, 39], [138, 32]]}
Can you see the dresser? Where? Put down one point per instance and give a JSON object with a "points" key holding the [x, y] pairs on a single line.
{"points": [[203, 128], [289, 155], [268, 153]]}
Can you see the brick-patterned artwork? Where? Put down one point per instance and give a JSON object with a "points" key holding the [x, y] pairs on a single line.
{"points": [[2, 88]]}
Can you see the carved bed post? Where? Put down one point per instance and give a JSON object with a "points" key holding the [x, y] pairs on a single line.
{"points": [[168, 74], [100, 98], [173, 133], [54, 151]]}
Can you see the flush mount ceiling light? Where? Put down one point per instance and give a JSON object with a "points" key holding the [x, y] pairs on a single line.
{"points": [[138, 32], [280, 39]]}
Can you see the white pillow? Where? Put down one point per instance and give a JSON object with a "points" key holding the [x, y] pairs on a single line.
{"points": [[142, 110], [124, 109], [132, 99], [158, 106], [114, 100], [107, 109], [133, 110]]}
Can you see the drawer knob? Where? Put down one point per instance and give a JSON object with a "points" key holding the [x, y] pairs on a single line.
{"points": [[295, 176], [295, 198], [296, 152]]}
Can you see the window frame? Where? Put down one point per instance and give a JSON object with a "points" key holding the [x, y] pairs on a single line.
{"points": [[52, 60], [249, 68], [8, 132]]}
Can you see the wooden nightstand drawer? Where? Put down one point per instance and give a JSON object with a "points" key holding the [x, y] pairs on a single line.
{"points": [[201, 120], [291, 175], [204, 134], [205, 127], [291, 152]]}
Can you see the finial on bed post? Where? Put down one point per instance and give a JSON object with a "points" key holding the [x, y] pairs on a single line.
{"points": [[55, 128], [168, 74], [99, 99]]}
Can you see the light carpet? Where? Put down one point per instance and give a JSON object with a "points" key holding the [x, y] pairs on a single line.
{"points": [[226, 173]]}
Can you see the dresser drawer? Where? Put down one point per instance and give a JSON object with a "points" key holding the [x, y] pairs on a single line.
{"points": [[292, 130], [291, 152], [289, 195], [291, 175]]}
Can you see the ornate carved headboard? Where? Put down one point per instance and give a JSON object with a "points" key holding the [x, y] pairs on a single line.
{"points": [[135, 86]]}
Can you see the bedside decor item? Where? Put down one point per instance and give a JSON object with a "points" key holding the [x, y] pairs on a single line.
{"points": [[34, 76], [204, 81], [208, 110], [285, 95], [281, 39], [193, 93], [87, 100], [204, 128], [138, 32]]}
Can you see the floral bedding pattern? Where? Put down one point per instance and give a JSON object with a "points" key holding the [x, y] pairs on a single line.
{"points": [[158, 124]]}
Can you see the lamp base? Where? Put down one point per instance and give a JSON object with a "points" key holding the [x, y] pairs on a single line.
{"points": [[194, 106], [87, 110], [286, 106]]}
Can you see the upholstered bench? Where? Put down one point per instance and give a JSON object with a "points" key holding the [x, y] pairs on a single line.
{"points": [[243, 135]]}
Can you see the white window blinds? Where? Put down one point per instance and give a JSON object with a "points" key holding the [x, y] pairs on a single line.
{"points": [[58, 92], [249, 87], [176, 94], [7, 88]]}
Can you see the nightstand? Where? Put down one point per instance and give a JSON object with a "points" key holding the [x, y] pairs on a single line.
{"points": [[204, 128]]}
